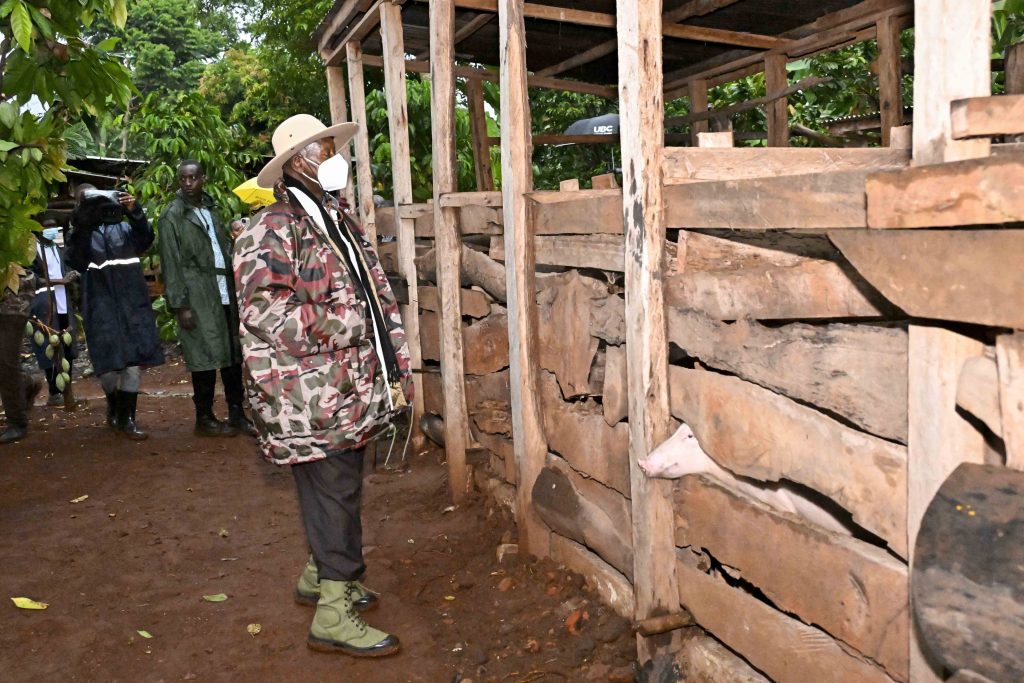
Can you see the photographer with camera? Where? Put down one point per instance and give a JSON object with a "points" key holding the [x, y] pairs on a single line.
{"points": [[109, 235]]}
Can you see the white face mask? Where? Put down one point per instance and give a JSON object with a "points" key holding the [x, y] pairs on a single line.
{"points": [[332, 174]]}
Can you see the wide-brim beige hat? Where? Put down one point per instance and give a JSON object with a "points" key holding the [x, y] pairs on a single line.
{"points": [[295, 133]]}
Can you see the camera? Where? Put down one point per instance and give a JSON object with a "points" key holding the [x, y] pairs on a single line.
{"points": [[106, 204]]}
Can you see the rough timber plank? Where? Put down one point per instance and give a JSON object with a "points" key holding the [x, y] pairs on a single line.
{"points": [[963, 275], [973, 192], [641, 131], [587, 512], [952, 53], [703, 659], [730, 280], [977, 391], [614, 397], [686, 164], [940, 439], [783, 648], [474, 303], [987, 116], [448, 242], [478, 130], [813, 201], [600, 576], [516, 174], [854, 591], [776, 111], [361, 142], [393, 43], [1010, 357], [890, 76], [603, 252], [856, 371], [760, 434], [582, 212], [577, 431], [339, 114], [566, 347]]}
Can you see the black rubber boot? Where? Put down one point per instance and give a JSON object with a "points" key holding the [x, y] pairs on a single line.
{"points": [[238, 420], [12, 434], [208, 425], [126, 404], [112, 419]]}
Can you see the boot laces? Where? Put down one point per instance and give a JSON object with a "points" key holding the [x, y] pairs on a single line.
{"points": [[352, 593]]}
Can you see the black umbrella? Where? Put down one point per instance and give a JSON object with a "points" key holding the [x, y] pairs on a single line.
{"points": [[608, 124]]}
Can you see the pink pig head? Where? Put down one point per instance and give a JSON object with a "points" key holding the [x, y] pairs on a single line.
{"points": [[678, 456]]}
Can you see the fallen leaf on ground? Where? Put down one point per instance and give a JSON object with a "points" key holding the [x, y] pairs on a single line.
{"points": [[223, 533], [253, 629], [449, 598], [79, 499], [219, 597], [29, 603], [145, 634]]}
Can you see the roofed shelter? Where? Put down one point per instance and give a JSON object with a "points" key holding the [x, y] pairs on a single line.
{"points": [[812, 339]]}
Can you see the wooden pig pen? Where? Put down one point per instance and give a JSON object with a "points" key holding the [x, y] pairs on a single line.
{"points": [[840, 319]]}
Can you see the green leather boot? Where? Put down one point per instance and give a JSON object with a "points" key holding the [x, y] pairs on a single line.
{"points": [[307, 591], [337, 627]]}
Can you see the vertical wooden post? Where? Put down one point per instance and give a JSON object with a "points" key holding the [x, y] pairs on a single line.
{"points": [[952, 52], [339, 114], [698, 103], [478, 128], [952, 60], [1014, 83], [529, 442], [938, 438], [448, 243], [641, 127], [364, 172], [777, 111], [890, 76], [401, 176], [1010, 357]]}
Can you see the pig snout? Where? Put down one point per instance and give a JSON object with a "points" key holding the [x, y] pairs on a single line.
{"points": [[676, 457]]}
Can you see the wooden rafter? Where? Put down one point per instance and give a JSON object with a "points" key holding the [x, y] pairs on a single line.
{"points": [[691, 9], [828, 32], [417, 66], [602, 20], [362, 28], [467, 30]]}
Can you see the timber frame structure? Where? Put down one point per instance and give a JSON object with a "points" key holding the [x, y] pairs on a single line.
{"points": [[815, 315]]}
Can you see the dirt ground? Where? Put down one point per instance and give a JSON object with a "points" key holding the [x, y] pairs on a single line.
{"points": [[175, 518]]}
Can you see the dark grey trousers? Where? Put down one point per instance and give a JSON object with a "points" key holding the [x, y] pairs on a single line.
{"points": [[330, 493], [12, 383]]}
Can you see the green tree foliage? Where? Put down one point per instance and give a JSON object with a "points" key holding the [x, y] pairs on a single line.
{"points": [[169, 129], [44, 54], [551, 113], [168, 43]]}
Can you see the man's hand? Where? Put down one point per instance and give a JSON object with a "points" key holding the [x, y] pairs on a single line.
{"points": [[127, 201], [186, 319]]}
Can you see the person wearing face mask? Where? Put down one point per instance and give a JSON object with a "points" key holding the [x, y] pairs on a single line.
{"points": [[327, 364], [109, 235], [52, 304], [195, 259]]}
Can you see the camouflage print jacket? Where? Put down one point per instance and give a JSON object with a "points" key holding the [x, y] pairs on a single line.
{"points": [[314, 382]]}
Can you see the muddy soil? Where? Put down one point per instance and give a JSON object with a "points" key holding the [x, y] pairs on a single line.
{"points": [[175, 518]]}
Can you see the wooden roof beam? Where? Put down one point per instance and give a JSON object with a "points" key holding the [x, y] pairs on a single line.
{"points": [[418, 66], [828, 32], [693, 8], [467, 30], [601, 20], [366, 25]]}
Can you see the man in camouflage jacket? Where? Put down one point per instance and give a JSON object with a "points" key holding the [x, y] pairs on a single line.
{"points": [[318, 319]]}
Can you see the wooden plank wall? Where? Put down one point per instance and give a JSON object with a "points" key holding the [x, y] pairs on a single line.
{"points": [[814, 347]]}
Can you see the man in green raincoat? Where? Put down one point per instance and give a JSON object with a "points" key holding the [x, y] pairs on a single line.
{"points": [[195, 258]]}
